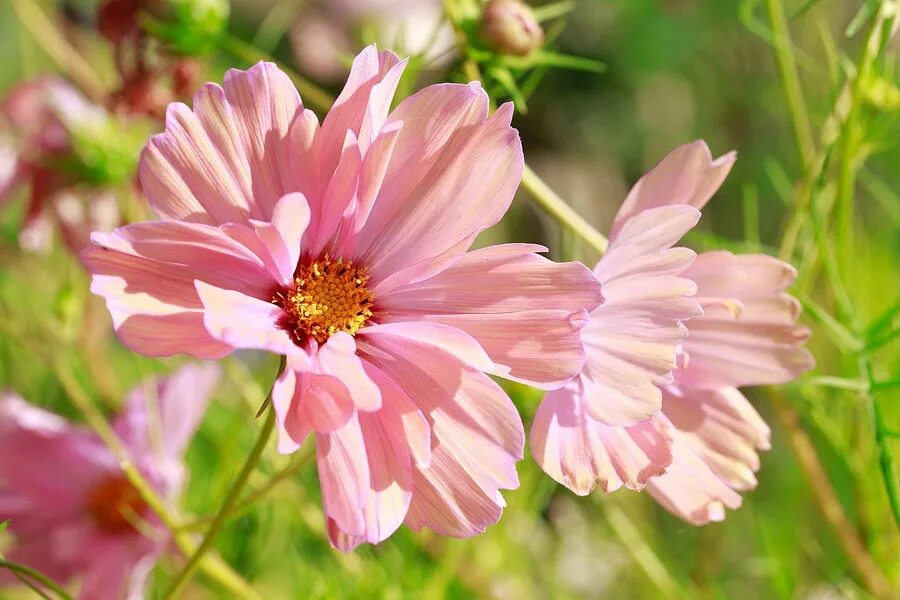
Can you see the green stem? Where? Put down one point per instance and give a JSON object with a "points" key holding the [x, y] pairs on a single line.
{"points": [[59, 49], [227, 506], [787, 66], [556, 207], [852, 138], [251, 499], [36, 576], [629, 535]]}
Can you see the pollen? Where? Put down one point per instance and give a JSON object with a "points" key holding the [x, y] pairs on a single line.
{"points": [[114, 504], [329, 295]]}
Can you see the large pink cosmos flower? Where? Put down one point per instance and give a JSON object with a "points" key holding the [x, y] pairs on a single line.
{"points": [[342, 247], [72, 511], [628, 419]]}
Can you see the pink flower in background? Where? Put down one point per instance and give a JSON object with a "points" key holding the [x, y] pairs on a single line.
{"points": [[69, 506], [632, 418], [36, 120], [343, 247], [322, 34]]}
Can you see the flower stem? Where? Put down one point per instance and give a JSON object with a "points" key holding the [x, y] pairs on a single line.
{"points": [[252, 498], [22, 571], [787, 66], [59, 49], [857, 553], [556, 207], [227, 506], [852, 136]]}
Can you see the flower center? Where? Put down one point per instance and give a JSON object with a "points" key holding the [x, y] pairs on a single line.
{"points": [[328, 296], [114, 504]]}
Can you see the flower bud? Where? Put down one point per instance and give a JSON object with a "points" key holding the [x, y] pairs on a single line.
{"points": [[509, 27]]}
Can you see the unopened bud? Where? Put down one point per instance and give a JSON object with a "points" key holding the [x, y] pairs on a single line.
{"points": [[509, 27]]}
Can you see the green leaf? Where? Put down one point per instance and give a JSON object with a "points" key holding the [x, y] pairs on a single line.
{"points": [[508, 83], [803, 9], [868, 9], [548, 58], [553, 10], [839, 383], [885, 320], [3, 526]]}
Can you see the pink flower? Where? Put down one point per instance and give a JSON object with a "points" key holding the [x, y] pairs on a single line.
{"points": [[632, 418], [68, 504], [36, 121], [326, 30], [343, 247]]}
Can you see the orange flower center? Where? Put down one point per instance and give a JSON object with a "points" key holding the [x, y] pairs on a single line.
{"points": [[328, 296], [114, 504]]}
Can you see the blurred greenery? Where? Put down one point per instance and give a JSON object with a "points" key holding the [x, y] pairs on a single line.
{"points": [[676, 70]]}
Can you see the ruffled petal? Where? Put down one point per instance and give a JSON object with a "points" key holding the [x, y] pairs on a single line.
{"points": [[390, 480], [362, 106], [453, 173], [344, 475], [525, 310], [146, 274], [242, 321], [229, 159], [632, 338], [747, 334], [338, 358], [687, 175], [449, 339], [580, 452], [477, 437], [722, 428]]}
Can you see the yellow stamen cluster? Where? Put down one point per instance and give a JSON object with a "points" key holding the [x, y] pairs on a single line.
{"points": [[328, 296]]}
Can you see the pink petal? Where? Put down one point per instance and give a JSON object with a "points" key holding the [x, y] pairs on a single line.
{"points": [[108, 570], [477, 436], [390, 485], [747, 334], [632, 339], [290, 420], [146, 274], [453, 173], [229, 159], [47, 459], [338, 196], [447, 500], [158, 434], [11, 172], [337, 357], [362, 106], [687, 175], [408, 425], [522, 308], [581, 452], [344, 476], [446, 338], [722, 428], [290, 218], [690, 490], [242, 321]]}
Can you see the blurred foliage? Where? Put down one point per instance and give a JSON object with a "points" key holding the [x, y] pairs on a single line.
{"points": [[675, 70]]}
